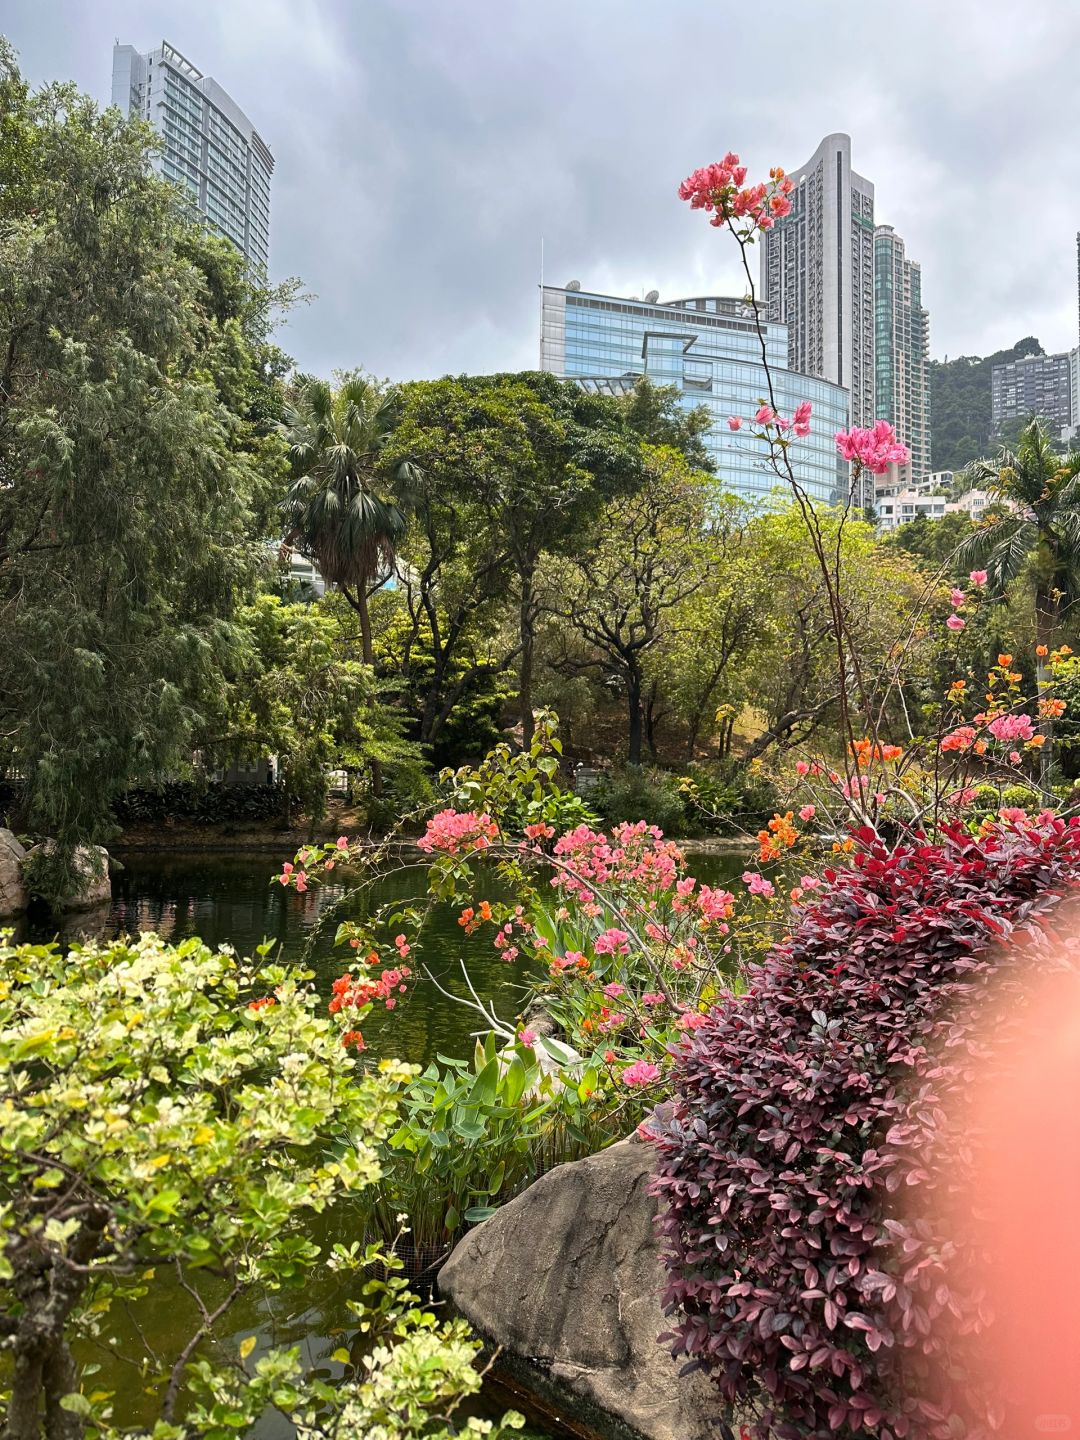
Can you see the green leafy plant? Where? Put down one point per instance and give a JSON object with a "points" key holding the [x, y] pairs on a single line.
{"points": [[174, 1116]]}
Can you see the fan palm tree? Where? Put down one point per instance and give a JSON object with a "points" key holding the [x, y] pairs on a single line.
{"points": [[336, 512], [1037, 530]]}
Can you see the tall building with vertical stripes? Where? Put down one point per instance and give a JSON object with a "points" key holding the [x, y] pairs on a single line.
{"points": [[209, 146], [817, 274], [901, 348]]}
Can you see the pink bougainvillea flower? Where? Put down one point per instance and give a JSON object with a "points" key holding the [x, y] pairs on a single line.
{"points": [[653, 997], [640, 1073], [734, 422], [527, 1037], [301, 881], [757, 884], [1011, 727], [954, 622], [765, 415], [1013, 814], [342, 842], [800, 421], [957, 598], [874, 449], [691, 1020], [614, 990], [1014, 757], [612, 942], [801, 767], [807, 812], [978, 577]]}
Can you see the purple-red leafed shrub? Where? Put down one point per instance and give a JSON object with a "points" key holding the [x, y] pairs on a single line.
{"points": [[807, 1268]]}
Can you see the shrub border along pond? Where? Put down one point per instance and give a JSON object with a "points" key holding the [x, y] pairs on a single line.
{"points": [[804, 1109]]}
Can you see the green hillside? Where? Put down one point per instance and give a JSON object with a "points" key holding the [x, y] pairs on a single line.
{"points": [[960, 404]]}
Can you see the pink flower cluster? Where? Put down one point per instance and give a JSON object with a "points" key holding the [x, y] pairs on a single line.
{"points": [[799, 423], [612, 942], [711, 904], [719, 188], [640, 1073], [757, 884], [1011, 727], [874, 449], [458, 831], [636, 856]]}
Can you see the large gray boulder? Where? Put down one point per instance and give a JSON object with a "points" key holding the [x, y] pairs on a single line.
{"points": [[14, 896], [91, 865], [566, 1278]]}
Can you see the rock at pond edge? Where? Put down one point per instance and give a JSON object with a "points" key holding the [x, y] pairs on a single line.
{"points": [[14, 896], [566, 1279]]}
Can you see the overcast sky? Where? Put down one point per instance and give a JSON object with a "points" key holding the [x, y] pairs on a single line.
{"points": [[424, 147]]}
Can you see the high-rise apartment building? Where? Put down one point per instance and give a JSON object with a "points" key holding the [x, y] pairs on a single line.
{"points": [[901, 348], [707, 348], [1036, 385], [210, 147], [817, 274]]}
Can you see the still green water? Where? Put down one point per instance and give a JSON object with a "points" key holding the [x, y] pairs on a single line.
{"points": [[231, 898]]}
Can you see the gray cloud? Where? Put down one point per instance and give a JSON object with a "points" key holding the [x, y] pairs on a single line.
{"points": [[423, 148]]}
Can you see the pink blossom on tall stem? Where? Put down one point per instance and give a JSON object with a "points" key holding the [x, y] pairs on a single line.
{"points": [[957, 598], [800, 421], [954, 622], [765, 415], [640, 1073], [978, 577], [734, 422], [874, 449]]}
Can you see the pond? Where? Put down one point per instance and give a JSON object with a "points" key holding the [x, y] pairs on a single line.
{"points": [[230, 897]]}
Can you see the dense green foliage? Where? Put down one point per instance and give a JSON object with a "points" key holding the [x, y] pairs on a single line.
{"points": [[136, 456], [176, 1117], [960, 404]]}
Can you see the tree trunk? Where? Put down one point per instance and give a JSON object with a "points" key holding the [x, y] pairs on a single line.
{"points": [[633, 701], [23, 1419], [652, 720], [61, 1377], [525, 686], [368, 653], [1046, 624]]}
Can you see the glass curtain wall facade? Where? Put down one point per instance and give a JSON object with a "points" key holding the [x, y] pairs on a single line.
{"points": [[210, 147], [708, 348]]}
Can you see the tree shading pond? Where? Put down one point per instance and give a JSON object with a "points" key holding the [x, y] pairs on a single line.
{"points": [[231, 898]]}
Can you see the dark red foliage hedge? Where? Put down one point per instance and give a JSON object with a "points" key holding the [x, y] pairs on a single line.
{"points": [[805, 1265]]}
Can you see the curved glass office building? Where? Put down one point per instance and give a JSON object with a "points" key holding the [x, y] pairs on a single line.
{"points": [[708, 348]]}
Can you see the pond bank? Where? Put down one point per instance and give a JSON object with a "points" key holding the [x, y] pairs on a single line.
{"points": [[196, 839]]}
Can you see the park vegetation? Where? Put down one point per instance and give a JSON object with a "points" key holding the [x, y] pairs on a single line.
{"points": [[890, 724]]}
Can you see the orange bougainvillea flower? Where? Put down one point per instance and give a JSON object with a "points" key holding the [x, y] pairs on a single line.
{"points": [[1004, 659], [1064, 650], [1041, 650], [1052, 709], [1037, 742]]}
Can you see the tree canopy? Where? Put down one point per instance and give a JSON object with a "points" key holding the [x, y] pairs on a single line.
{"points": [[136, 454]]}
